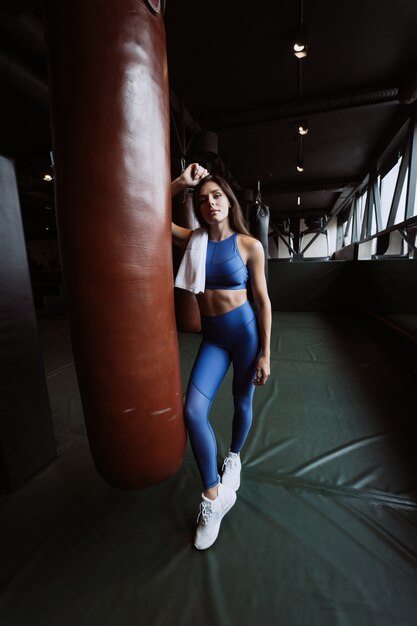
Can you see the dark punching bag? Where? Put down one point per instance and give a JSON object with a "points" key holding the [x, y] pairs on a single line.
{"points": [[186, 308], [259, 226], [110, 120]]}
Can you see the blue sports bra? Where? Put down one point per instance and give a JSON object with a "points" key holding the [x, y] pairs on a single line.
{"points": [[225, 268]]}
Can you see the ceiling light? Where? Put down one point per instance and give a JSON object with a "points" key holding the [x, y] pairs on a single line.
{"points": [[300, 39], [302, 53], [300, 161], [47, 177], [300, 45]]}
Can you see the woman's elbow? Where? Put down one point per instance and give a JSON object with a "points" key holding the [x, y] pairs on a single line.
{"points": [[263, 304]]}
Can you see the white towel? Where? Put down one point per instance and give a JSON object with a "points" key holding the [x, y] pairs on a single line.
{"points": [[191, 274]]}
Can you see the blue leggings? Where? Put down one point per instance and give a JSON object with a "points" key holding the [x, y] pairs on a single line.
{"points": [[232, 337]]}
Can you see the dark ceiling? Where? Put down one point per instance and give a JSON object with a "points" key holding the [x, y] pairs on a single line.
{"points": [[231, 65]]}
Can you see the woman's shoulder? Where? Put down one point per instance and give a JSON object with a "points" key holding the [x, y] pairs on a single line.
{"points": [[250, 248], [249, 243]]}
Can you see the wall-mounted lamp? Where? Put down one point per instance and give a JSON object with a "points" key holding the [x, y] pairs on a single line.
{"points": [[300, 165], [298, 200], [47, 177], [303, 129]]}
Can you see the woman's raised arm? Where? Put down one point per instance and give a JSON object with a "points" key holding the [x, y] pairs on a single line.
{"points": [[190, 177]]}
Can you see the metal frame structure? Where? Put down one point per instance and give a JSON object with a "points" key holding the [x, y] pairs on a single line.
{"points": [[362, 225], [283, 239], [321, 231]]}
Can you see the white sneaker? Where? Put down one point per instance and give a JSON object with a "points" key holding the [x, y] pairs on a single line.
{"points": [[210, 517], [231, 471]]}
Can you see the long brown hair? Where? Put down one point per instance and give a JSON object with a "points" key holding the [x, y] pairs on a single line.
{"points": [[236, 219]]}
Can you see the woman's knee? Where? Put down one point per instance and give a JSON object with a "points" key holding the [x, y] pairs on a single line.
{"points": [[191, 414], [196, 407]]}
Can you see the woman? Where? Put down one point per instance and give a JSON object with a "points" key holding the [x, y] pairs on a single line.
{"points": [[231, 334]]}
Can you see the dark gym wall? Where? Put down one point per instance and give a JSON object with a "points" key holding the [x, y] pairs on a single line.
{"points": [[27, 441], [383, 286]]}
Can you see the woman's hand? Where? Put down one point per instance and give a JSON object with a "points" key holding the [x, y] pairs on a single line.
{"points": [[193, 174], [190, 177], [263, 371]]}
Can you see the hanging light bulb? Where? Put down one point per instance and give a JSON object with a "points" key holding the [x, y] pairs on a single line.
{"points": [[300, 40], [300, 51], [300, 162], [300, 45]]}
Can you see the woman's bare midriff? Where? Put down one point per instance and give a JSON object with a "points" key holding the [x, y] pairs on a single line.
{"points": [[219, 301]]}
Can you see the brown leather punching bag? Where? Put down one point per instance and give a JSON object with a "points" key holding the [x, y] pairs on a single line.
{"points": [[187, 312], [110, 117]]}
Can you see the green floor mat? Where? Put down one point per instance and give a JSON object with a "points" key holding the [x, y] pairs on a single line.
{"points": [[324, 531]]}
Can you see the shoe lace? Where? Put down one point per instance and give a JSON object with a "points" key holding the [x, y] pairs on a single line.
{"points": [[204, 512], [228, 464]]}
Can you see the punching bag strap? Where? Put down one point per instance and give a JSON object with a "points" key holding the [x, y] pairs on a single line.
{"points": [[259, 223], [258, 198]]}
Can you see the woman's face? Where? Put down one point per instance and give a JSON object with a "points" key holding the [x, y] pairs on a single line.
{"points": [[213, 202]]}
